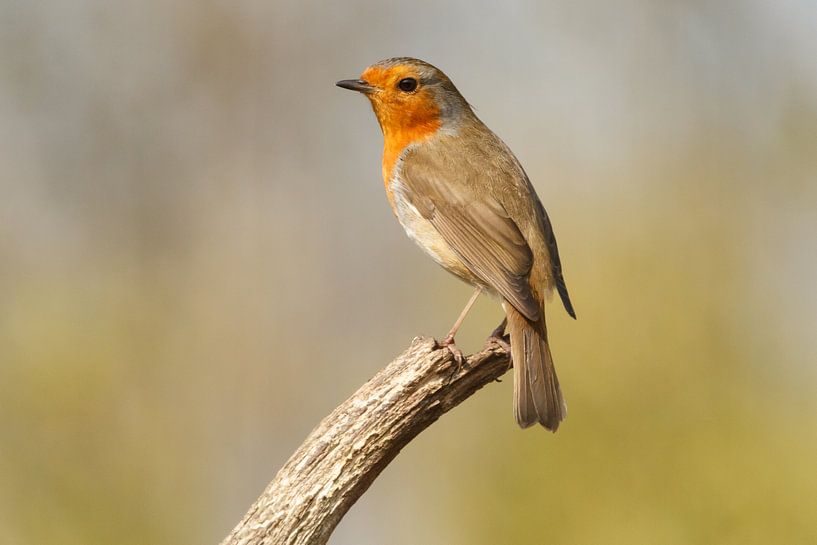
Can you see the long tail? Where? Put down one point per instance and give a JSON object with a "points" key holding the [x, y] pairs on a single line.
{"points": [[536, 393]]}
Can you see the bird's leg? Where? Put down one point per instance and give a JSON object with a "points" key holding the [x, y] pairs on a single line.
{"points": [[463, 314], [497, 336], [448, 342], [499, 332]]}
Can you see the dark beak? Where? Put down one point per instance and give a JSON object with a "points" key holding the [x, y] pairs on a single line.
{"points": [[356, 85]]}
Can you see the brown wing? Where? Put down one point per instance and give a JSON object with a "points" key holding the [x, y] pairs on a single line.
{"points": [[477, 228]]}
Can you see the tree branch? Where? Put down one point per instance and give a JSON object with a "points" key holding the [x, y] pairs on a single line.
{"points": [[350, 447]]}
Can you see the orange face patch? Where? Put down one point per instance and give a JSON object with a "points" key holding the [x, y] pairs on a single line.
{"points": [[404, 117]]}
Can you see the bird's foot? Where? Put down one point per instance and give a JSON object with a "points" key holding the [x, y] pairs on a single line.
{"points": [[498, 337], [502, 342], [448, 343]]}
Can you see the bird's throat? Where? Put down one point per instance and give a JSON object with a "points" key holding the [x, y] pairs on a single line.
{"points": [[396, 140]]}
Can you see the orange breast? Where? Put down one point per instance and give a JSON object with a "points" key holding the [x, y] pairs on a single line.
{"points": [[395, 142]]}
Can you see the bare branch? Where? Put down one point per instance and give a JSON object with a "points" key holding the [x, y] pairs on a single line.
{"points": [[350, 447]]}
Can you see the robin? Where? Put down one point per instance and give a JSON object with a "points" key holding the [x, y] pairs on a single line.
{"points": [[462, 196]]}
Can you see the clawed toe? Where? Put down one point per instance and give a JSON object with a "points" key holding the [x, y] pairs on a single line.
{"points": [[498, 337], [504, 344], [448, 343]]}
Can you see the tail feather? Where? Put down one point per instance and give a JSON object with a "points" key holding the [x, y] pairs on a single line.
{"points": [[536, 393]]}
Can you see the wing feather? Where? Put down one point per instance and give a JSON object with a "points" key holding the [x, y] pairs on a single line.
{"points": [[479, 230]]}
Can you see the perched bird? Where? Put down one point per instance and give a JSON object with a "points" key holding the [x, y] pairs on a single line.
{"points": [[462, 196]]}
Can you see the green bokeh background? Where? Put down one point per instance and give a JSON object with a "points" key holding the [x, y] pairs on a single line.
{"points": [[197, 263]]}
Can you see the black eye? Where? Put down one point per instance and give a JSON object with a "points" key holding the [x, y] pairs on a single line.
{"points": [[407, 85]]}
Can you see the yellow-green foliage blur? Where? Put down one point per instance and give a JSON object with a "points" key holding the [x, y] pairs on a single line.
{"points": [[197, 263]]}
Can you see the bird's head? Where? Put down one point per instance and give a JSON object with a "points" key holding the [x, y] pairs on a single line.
{"points": [[410, 95]]}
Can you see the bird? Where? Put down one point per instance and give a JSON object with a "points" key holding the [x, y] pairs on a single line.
{"points": [[461, 194]]}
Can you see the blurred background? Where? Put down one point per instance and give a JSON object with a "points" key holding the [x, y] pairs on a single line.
{"points": [[197, 263]]}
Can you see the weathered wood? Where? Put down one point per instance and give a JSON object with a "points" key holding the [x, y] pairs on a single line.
{"points": [[350, 447]]}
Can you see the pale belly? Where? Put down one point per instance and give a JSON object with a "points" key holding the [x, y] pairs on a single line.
{"points": [[425, 235]]}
